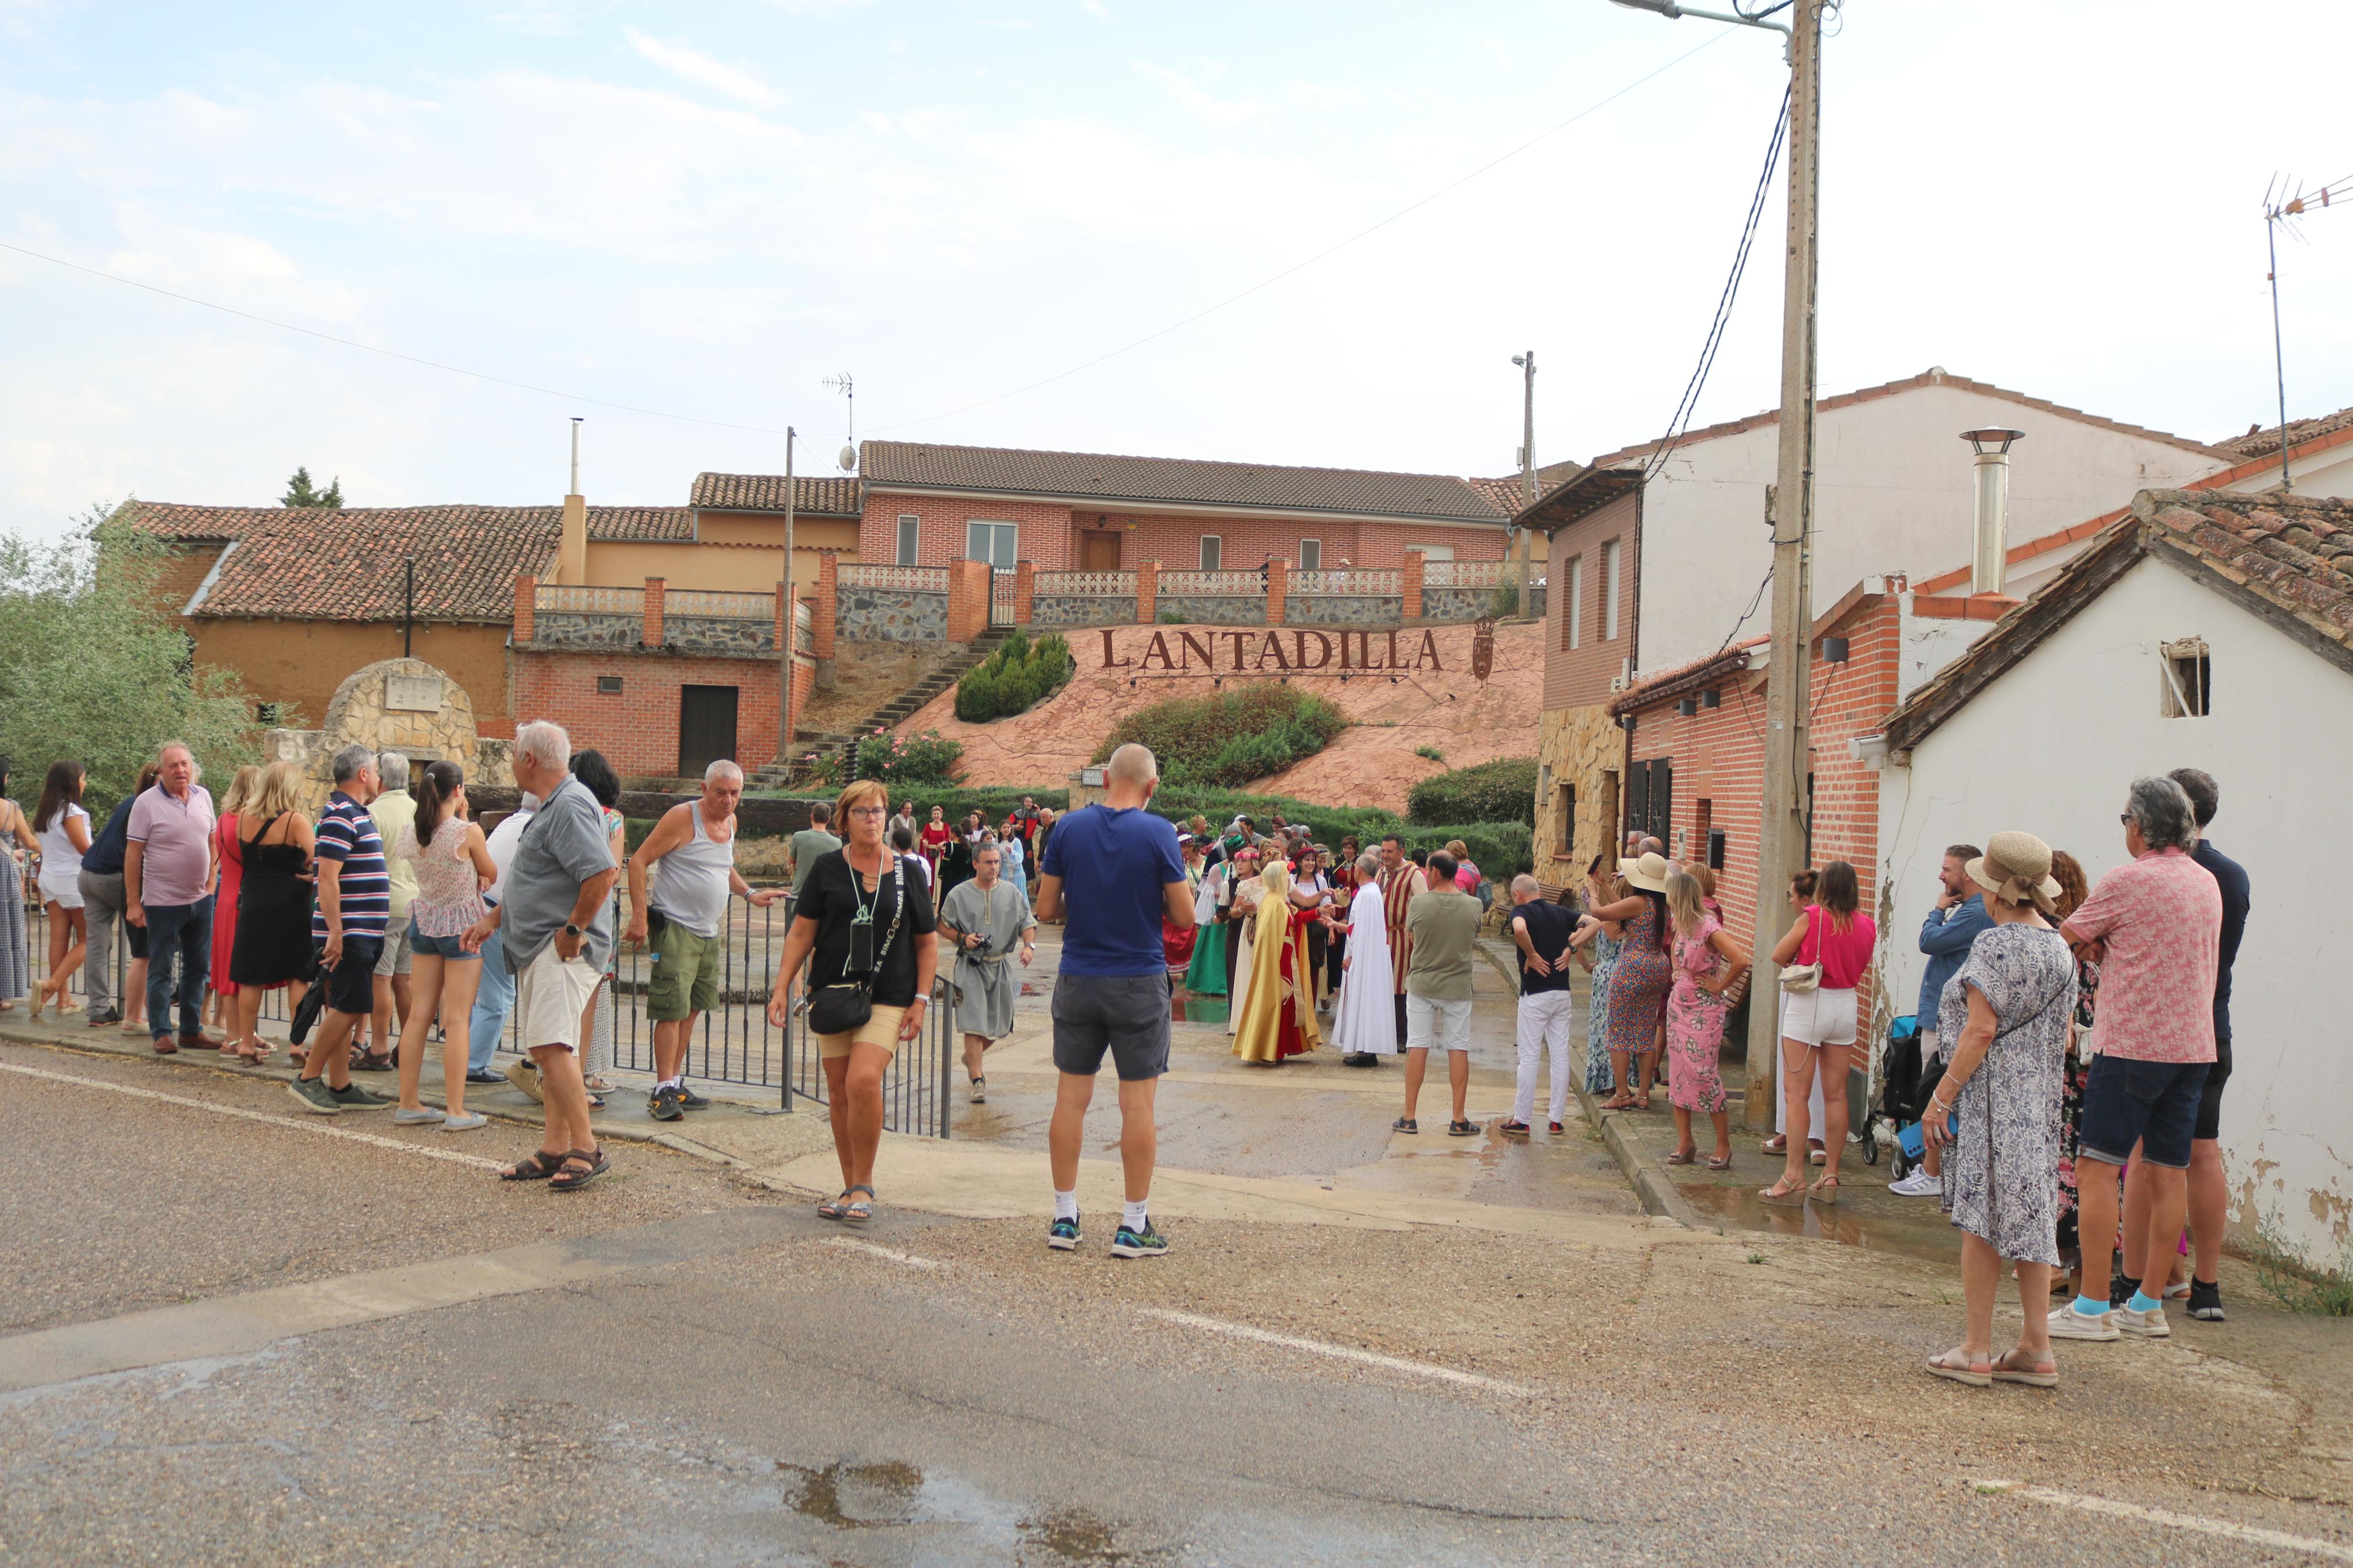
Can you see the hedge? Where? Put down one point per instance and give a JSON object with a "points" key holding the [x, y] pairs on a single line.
{"points": [[1015, 677], [1231, 737], [1500, 790]]}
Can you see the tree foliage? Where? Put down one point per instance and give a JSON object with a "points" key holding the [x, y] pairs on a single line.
{"points": [[301, 491], [95, 666], [1232, 737], [1501, 791], [1017, 677]]}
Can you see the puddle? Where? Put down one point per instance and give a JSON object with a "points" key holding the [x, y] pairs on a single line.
{"points": [[1923, 1233], [892, 1495], [1190, 1009], [857, 1497]]}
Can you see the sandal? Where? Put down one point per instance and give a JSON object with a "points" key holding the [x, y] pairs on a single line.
{"points": [[1776, 1144], [368, 1062], [1517, 1128], [1405, 1124], [1618, 1102], [1719, 1161], [1461, 1130], [832, 1208], [594, 1083], [862, 1209], [1784, 1191], [1683, 1156], [1959, 1365], [1642, 1102], [591, 1163], [1824, 1191], [539, 1167], [2007, 1370]]}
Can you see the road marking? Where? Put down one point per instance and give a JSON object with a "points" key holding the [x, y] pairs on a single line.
{"points": [[2171, 1521], [905, 1260], [1342, 1352], [299, 1123]]}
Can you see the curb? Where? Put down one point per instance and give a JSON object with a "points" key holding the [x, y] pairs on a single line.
{"points": [[1652, 1188]]}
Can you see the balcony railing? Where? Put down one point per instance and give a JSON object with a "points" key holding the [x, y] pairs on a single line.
{"points": [[903, 579], [590, 601], [1348, 580], [1212, 585], [1463, 573], [1087, 585], [721, 607]]}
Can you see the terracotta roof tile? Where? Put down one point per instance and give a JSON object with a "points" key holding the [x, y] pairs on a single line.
{"points": [[168, 519], [347, 565], [2263, 440], [821, 497], [1105, 477]]}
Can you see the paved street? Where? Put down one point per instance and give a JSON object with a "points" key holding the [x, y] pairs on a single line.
{"points": [[236, 1335]]}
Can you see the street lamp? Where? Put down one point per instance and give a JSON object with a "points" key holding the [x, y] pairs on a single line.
{"points": [[1527, 363], [1790, 505]]}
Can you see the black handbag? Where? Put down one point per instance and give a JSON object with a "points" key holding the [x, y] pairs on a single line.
{"points": [[839, 1009]]}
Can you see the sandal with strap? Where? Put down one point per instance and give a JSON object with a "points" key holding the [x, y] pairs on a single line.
{"points": [[2042, 1374], [1960, 1367], [1719, 1161], [1825, 1191], [832, 1208], [861, 1210], [1618, 1102], [580, 1167], [1683, 1156], [1784, 1191], [1405, 1124], [543, 1165]]}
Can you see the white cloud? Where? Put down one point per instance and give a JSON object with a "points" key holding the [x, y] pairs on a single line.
{"points": [[1095, 8], [535, 24], [741, 82], [1186, 92]]}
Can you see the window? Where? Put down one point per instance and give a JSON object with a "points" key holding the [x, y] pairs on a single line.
{"points": [[1572, 627], [608, 686], [1566, 848], [2188, 672], [1715, 849], [1311, 555], [991, 541], [1609, 591], [1213, 553], [910, 526]]}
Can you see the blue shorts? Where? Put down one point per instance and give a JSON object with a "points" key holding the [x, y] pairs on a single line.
{"points": [[2153, 1104], [438, 946]]}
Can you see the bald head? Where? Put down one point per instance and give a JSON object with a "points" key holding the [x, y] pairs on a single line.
{"points": [[1133, 774]]}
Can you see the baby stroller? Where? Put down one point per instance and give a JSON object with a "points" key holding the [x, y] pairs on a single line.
{"points": [[1905, 1085]]}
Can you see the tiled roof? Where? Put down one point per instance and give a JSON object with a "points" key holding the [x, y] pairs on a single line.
{"points": [[1719, 666], [2287, 558], [1176, 481], [765, 492], [1910, 384], [2263, 440], [634, 524], [615, 524], [347, 565]]}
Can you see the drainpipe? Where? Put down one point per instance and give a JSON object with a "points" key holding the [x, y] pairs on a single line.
{"points": [[1991, 559]]}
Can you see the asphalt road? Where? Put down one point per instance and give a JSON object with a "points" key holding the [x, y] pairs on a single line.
{"points": [[328, 1349]]}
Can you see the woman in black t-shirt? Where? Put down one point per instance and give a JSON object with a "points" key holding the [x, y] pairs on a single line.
{"points": [[860, 899]]}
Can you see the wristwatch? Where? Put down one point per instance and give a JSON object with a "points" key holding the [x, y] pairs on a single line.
{"points": [[571, 930]]}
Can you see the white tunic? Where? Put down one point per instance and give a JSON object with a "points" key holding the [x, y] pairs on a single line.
{"points": [[1364, 1017]]}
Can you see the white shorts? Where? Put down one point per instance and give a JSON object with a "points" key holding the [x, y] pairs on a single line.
{"points": [[550, 996], [1818, 1018], [64, 891], [1437, 1025]]}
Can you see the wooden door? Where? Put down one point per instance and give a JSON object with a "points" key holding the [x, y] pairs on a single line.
{"points": [[706, 727], [1098, 551]]}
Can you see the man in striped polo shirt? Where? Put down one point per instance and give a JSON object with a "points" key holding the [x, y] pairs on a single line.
{"points": [[347, 926]]}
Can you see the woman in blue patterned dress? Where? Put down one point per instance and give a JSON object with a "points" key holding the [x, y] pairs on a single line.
{"points": [[1606, 937]]}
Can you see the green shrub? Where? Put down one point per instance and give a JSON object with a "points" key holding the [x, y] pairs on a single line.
{"points": [[1018, 675], [1506, 601], [1432, 752], [927, 758], [1500, 790], [1232, 737], [1170, 618]]}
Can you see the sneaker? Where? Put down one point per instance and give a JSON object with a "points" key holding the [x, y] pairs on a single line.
{"points": [[1145, 1243], [665, 1104], [980, 1091], [1064, 1236], [423, 1116], [524, 1076], [483, 1075], [1515, 1127], [2120, 1290], [1918, 1184], [2066, 1323], [2148, 1325], [1557, 1128], [313, 1095], [692, 1100], [2206, 1300], [352, 1097]]}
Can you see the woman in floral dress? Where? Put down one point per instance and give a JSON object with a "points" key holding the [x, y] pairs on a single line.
{"points": [[1638, 980], [2073, 888], [1708, 960]]}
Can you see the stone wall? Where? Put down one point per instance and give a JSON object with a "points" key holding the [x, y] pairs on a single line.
{"points": [[401, 705], [1586, 749], [1214, 609], [1456, 604], [1063, 610], [581, 628], [891, 614], [736, 636], [1343, 610]]}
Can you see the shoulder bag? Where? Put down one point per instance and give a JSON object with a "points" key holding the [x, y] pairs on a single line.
{"points": [[837, 1009], [1804, 977]]}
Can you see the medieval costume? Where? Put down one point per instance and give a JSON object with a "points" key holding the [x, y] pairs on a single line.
{"points": [[986, 981], [1277, 1017], [1364, 1021]]}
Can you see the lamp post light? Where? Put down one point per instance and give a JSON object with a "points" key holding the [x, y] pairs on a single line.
{"points": [[1527, 363]]}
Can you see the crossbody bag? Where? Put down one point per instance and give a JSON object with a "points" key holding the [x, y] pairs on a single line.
{"points": [[837, 1009], [1803, 977]]}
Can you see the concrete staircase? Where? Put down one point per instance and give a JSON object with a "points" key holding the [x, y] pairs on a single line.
{"points": [[900, 709]]}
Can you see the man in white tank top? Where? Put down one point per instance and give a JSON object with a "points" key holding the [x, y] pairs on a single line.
{"points": [[692, 854]]}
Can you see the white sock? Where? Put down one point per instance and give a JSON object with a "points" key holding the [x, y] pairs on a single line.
{"points": [[1066, 1205], [1131, 1216], [678, 1082]]}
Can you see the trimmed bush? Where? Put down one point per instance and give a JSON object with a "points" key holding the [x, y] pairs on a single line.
{"points": [[1232, 737], [1501, 791], [925, 758], [1017, 677]]}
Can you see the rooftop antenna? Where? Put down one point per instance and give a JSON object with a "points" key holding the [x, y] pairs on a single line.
{"points": [[843, 385], [2282, 206]]}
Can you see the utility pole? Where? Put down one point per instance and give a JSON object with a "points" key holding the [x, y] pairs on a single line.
{"points": [[1527, 363], [1781, 840], [786, 638]]}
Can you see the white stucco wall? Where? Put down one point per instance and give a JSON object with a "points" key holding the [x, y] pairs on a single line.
{"points": [[2051, 748], [2328, 473], [1893, 492]]}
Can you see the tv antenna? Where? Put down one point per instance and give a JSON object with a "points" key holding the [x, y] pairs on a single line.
{"points": [[2284, 207], [843, 385]]}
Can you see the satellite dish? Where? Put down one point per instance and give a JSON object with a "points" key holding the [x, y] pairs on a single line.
{"points": [[848, 458]]}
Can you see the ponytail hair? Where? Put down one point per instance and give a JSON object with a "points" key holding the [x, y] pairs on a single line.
{"points": [[434, 786]]}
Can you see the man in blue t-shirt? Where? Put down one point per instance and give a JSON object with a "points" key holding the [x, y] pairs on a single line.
{"points": [[1119, 868]]}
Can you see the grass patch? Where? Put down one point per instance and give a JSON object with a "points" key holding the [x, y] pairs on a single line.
{"points": [[2289, 1275], [1501, 791], [1232, 737]]}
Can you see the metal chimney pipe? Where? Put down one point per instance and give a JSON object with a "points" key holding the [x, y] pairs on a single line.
{"points": [[1989, 559], [576, 458]]}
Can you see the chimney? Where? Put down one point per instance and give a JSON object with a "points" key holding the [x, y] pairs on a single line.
{"points": [[572, 550], [1990, 558]]}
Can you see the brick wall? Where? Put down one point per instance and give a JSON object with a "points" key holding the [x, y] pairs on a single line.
{"points": [[636, 727], [1044, 536], [1580, 677]]}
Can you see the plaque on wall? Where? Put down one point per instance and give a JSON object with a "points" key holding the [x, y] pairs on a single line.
{"points": [[412, 693]]}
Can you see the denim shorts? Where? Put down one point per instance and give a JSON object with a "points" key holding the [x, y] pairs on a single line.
{"points": [[2153, 1104], [438, 946], [1125, 1015]]}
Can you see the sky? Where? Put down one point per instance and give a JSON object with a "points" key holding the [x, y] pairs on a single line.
{"points": [[1101, 225]]}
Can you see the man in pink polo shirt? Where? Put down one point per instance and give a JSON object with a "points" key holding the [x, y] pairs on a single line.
{"points": [[167, 887], [2160, 918]]}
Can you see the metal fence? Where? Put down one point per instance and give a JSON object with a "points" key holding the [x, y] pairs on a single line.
{"points": [[1003, 601], [734, 1042]]}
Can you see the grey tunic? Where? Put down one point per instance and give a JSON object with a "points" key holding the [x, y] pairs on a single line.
{"points": [[2001, 1175], [986, 987]]}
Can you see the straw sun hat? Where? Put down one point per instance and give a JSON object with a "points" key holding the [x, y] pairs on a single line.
{"points": [[2016, 867], [1650, 872]]}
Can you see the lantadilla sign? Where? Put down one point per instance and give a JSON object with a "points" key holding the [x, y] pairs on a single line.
{"points": [[1287, 651]]}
